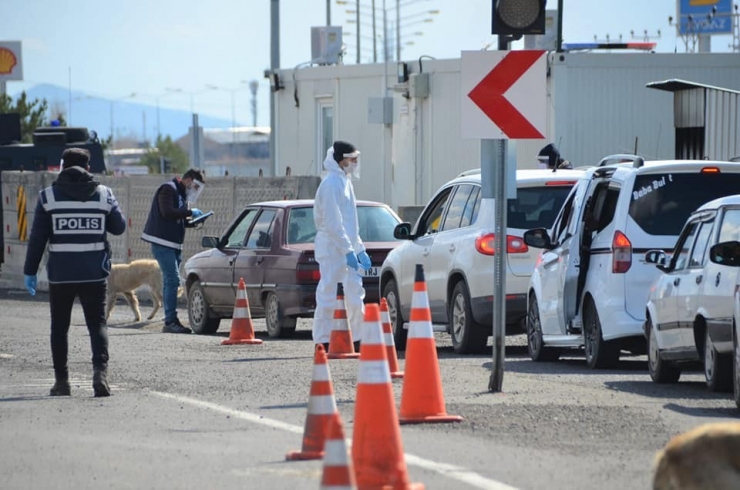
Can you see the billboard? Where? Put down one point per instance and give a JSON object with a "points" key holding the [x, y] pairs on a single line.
{"points": [[704, 16], [11, 61]]}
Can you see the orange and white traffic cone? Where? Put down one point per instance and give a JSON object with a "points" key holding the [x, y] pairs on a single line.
{"points": [[377, 450], [390, 344], [340, 342], [422, 399], [321, 408], [242, 328], [338, 473]]}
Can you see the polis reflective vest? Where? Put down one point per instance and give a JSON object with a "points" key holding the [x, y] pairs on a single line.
{"points": [[78, 249]]}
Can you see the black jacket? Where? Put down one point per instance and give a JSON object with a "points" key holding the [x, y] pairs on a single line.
{"points": [[73, 216]]}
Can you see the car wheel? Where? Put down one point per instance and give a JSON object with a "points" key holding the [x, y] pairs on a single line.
{"points": [[716, 367], [599, 354], [400, 334], [660, 371], [467, 335], [535, 345], [277, 324], [202, 320], [736, 366]]}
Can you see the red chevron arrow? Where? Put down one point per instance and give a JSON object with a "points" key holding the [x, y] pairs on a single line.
{"points": [[489, 95]]}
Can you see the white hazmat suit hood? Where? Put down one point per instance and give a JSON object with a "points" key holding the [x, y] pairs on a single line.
{"points": [[337, 234]]}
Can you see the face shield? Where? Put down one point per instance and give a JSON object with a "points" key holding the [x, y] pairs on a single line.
{"points": [[353, 169], [194, 190]]}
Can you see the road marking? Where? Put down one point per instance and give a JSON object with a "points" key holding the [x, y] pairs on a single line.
{"points": [[450, 471]]}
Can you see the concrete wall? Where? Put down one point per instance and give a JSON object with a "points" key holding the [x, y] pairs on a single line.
{"points": [[225, 196]]}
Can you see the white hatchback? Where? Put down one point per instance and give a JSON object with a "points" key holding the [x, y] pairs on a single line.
{"points": [[591, 283], [453, 239], [690, 306]]}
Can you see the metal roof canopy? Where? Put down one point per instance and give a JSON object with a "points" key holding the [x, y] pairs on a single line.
{"points": [[706, 119], [676, 85]]}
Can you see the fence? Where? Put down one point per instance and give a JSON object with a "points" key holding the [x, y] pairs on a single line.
{"points": [[225, 196]]}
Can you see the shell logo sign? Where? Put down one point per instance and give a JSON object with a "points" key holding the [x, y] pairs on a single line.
{"points": [[7, 61], [11, 61]]}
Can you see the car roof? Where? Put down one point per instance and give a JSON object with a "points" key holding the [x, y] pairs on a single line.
{"points": [[292, 203], [720, 202], [524, 176], [622, 170]]}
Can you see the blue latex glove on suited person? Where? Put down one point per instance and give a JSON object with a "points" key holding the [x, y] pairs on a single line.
{"points": [[364, 259], [351, 259], [196, 213], [30, 282]]}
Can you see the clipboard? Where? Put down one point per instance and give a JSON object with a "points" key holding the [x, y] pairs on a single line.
{"points": [[201, 218]]}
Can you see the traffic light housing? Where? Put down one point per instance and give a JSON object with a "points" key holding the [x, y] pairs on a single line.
{"points": [[515, 18]]}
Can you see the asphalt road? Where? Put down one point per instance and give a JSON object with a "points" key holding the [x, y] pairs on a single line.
{"points": [[187, 412]]}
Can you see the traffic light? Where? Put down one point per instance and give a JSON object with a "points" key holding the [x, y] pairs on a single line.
{"points": [[515, 18]]}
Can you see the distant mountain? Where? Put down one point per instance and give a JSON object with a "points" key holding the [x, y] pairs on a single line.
{"points": [[129, 117]]}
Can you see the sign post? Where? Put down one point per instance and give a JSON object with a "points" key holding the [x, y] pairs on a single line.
{"points": [[503, 97]]}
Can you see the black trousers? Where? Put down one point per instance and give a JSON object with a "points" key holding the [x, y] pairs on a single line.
{"points": [[92, 298]]}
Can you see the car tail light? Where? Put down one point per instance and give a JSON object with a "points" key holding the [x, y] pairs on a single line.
{"points": [[484, 244], [307, 269], [710, 170], [560, 182], [621, 253]]}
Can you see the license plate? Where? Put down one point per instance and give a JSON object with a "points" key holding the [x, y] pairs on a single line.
{"points": [[371, 272]]}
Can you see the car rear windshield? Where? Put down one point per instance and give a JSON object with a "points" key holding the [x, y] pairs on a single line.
{"points": [[376, 225], [536, 207], [661, 203]]}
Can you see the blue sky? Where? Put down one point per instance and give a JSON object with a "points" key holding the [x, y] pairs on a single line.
{"points": [[118, 47]]}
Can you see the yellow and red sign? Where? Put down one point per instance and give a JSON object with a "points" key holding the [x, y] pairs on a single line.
{"points": [[11, 64]]}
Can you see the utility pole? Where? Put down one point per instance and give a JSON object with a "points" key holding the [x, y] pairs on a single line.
{"points": [[398, 30], [328, 12], [274, 66], [357, 15], [253, 86]]}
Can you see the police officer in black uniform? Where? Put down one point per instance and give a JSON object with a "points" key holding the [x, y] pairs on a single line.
{"points": [[73, 216]]}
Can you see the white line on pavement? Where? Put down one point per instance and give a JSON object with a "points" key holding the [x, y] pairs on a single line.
{"points": [[450, 471]]}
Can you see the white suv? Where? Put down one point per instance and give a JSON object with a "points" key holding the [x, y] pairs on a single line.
{"points": [[453, 239], [690, 307], [591, 283]]}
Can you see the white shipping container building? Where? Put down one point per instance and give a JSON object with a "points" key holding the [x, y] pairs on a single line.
{"points": [[597, 104]]}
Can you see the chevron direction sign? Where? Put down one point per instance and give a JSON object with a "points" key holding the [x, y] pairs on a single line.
{"points": [[504, 94]]}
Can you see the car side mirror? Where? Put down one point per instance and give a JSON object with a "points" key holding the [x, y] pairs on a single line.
{"points": [[209, 242], [402, 231], [657, 257], [726, 253], [538, 238]]}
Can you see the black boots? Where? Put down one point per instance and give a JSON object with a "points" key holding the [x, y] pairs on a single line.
{"points": [[100, 382], [61, 386]]}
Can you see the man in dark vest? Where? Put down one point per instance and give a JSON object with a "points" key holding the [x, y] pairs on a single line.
{"points": [[165, 230], [74, 216]]}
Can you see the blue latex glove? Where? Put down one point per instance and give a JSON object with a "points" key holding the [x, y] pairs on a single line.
{"points": [[196, 213], [364, 259], [352, 260], [30, 282]]}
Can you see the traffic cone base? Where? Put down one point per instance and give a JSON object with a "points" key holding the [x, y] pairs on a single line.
{"points": [[422, 397], [340, 342], [242, 328], [338, 473], [390, 343], [377, 450], [322, 407]]}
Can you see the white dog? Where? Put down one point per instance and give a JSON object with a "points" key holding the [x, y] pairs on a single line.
{"points": [[124, 279]]}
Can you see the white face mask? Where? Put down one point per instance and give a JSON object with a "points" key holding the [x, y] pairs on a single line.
{"points": [[195, 189]]}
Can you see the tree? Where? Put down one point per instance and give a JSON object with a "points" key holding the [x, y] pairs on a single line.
{"points": [[175, 157], [33, 113]]}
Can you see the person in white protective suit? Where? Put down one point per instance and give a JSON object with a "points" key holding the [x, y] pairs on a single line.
{"points": [[338, 247]]}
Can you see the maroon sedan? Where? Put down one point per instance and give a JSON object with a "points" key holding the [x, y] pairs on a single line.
{"points": [[270, 245]]}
